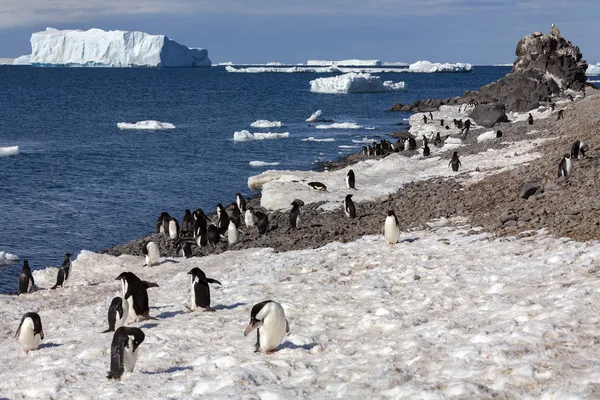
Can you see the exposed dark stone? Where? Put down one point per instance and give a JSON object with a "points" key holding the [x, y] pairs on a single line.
{"points": [[488, 115], [529, 189]]}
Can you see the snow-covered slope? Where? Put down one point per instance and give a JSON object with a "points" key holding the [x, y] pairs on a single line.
{"points": [[98, 48], [354, 83]]}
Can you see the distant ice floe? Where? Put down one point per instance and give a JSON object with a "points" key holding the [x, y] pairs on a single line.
{"points": [[363, 140], [314, 116], [354, 83], [263, 123], [262, 163], [346, 63], [244, 135], [149, 125], [593, 70], [283, 70], [429, 67], [340, 125], [312, 139], [7, 258], [9, 151]]}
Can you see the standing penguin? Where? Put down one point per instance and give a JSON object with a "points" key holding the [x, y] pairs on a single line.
{"points": [[268, 318], [212, 234], [136, 294], [437, 141], [564, 167], [455, 162], [187, 223], [63, 272], [262, 222], [391, 228], [406, 144], [150, 250], [241, 202], [173, 229], [199, 222], [530, 119], [295, 214], [30, 331], [412, 143], [124, 351], [201, 290], [233, 236], [249, 218], [223, 219], [185, 249], [350, 180], [161, 227], [26, 282], [426, 150], [236, 214], [578, 149], [349, 208], [117, 314]]}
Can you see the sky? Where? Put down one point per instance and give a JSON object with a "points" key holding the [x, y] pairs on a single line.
{"points": [[260, 31]]}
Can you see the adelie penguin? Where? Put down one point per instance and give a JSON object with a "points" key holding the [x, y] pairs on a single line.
{"points": [[249, 218], [26, 282], [117, 314], [426, 150], [173, 229], [241, 202], [30, 331], [212, 234], [233, 235], [295, 214], [318, 186], [124, 351], [64, 272], [187, 223], [268, 318], [201, 290], [455, 162], [391, 229], [184, 248], [236, 214], [349, 208], [223, 219], [578, 149], [530, 119], [564, 167], [262, 222], [152, 253], [162, 223], [136, 294], [350, 179]]}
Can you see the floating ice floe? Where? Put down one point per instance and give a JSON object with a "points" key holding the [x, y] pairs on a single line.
{"points": [[244, 135], [263, 123], [149, 125], [9, 151], [7, 258], [314, 116], [283, 70], [593, 70], [262, 163], [363, 140], [429, 67], [346, 63], [354, 83], [340, 125], [312, 139]]}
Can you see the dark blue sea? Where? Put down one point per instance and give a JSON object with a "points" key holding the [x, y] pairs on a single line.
{"points": [[81, 183]]}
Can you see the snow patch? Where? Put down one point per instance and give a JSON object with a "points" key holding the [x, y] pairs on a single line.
{"points": [[263, 123], [9, 151], [149, 125], [262, 163], [429, 67], [354, 83], [244, 135]]}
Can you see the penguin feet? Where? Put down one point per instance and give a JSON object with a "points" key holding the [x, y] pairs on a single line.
{"points": [[209, 309], [114, 376]]}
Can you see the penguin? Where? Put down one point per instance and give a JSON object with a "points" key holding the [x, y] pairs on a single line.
{"points": [[560, 114], [160, 228], [26, 282], [223, 219], [391, 228], [498, 133], [349, 208], [430, 116], [202, 237], [406, 144], [455, 162], [424, 119], [136, 294], [241, 202], [185, 248], [530, 119], [63, 272], [268, 318], [236, 214], [150, 250], [295, 214], [350, 180], [173, 229], [233, 236], [318, 186], [578, 149], [30, 331], [426, 150], [441, 122], [438, 140], [212, 234], [124, 351], [262, 222], [199, 222], [201, 290], [564, 167], [412, 143], [187, 223], [363, 151], [117, 314], [249, 218]]}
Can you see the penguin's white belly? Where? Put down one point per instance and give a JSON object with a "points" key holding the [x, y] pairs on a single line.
{"points": [[233, 235], [29, 285], [298, 221], [199, 241], [249, 218], [132, 315], [129, 357], [193, 298], [273, 330], [391, 231], [27, 339], [153, 254], [173, 230], [121, 321]]}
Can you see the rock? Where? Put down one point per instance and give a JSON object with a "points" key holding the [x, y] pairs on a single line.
{"points": [[488, 115], [529, 189], [507, 217]]}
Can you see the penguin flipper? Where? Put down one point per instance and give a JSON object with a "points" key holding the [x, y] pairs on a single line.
{"points": [[210, 280], [287, 326], [149, 285]]}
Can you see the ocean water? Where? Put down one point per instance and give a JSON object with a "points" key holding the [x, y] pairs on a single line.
{"points": [[81, 183]]}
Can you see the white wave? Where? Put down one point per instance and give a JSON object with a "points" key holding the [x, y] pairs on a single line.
{"points": [[340, 125], [354, 83], [7, 258], [314, 116], [149, 125], [263, 123], [370, 128], [9, 151], [244, 135], [312, 139], [429, 67], [262, 163]]}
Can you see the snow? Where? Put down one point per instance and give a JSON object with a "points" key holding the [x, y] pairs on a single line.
{"points": [[312, 139], [426, 66], [314, 116], [23, 60], [502, 318], [262, 163], [149, 125], [593, 69], [263, 123], [244, 135], [7, 258], [346, 63], [354, 83], [339, 125], [485, 136], [98, 48], [9, 151]]}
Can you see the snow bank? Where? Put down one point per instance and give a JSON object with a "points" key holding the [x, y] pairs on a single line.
{"points": [[354, 83], [98, 48], [314, 116], [244, 135], [340, 125], [9, 151], [149, 125], [263, 123], [593, 69], [426, 66], [346, 63], [7, 258], [262, 163], [312, 139]]}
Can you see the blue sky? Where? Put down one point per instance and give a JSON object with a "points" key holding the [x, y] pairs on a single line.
{"points": [[475, 31]]}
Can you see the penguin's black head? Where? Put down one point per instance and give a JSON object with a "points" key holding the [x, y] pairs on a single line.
{"points": [[348, 196], [67, 256], [197, 273], [455, 154], [25, 264], [125, 276], [390, 213], [567, 155], [187, 212], [145, 248]]}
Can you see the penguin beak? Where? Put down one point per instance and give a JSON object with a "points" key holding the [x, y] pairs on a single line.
{"points": [[252, 326]]}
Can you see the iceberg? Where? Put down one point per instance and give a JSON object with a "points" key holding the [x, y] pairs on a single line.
{"points": [[263, 123], [354, 83], [9, 151], [426, 66], [340, 125], [7, 258], [346, 63], [244, 135], [593, 69], [98, 48], [146, 125]]}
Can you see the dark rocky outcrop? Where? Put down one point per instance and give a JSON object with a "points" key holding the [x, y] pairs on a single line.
{"points": [[487, 115]]}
